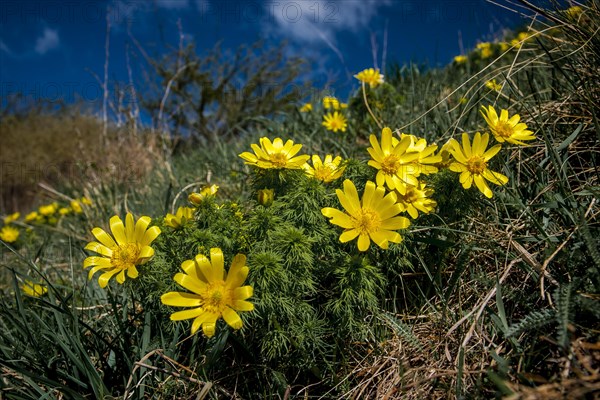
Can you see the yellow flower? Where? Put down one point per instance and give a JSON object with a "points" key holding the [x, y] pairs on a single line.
{"points": [[181, 217], [573, 12], [275, 155], [11, 218], [306, 107], [129, 248], [33, 289], [471, 162], [207, 191], [76, 206], [48, 209], [504, 46], [417, 199], [64, 211], [335, 122], [331, 102], [9, 234], [32, 216], [86, 201], [372, 218], [266, 197], [215, 293], [493, 85], [506, 129], [370, 76], [460, 59], [485, 49], [327, 170], [397, 166]]}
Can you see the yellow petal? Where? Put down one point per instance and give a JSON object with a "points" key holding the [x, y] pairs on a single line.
{"points": [[140, 228], [190, 283], [218, 265], [363, 242], [181, 299], [104, 278], [243, 293], [232, 318], [187, 314], [349, 235], [243, 305], [99, 248], [103, 237], [132, 272], [150, 235], [118, 230]]}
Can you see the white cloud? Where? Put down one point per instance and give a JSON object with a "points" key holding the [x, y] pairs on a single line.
{"points": [[319, 21], [173, 4], [48, 41]]}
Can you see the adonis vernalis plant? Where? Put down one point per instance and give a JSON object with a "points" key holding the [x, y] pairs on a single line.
{"points": [[214, 293], [275, 155], [372, 218], [335, 122], [326, 170], [129, 249], [506, 129], [471, 161], [370, 76]]}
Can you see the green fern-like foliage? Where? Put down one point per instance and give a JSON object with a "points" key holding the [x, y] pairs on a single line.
{"points": [[533, 320]]}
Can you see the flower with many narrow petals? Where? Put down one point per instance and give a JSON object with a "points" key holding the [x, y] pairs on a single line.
{"points": [[471, 162], [335, 122], [417, 198], [129, 248], [33, 289], [460, 59], [372, 218], [214, 293], [181, 217], [9, 234], [275, 155], [327, 170], [396, 164], [370, 76], [506, 129]]}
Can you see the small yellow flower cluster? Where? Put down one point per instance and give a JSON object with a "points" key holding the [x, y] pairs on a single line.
{"points": [[49, 214]]}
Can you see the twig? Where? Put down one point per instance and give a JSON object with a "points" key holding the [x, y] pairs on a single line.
{"points": [[369, 108]]}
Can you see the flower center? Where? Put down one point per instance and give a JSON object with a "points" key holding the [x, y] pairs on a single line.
{"points": [[503, 129], [279, 159], [125, 256], [390, 164], [411, 196], [476, 165], [336, 123], [367, 221], [217, 296], [324, 172]]}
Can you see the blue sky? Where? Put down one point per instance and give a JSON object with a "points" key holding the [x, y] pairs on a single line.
{"points": [[56, 49]]}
